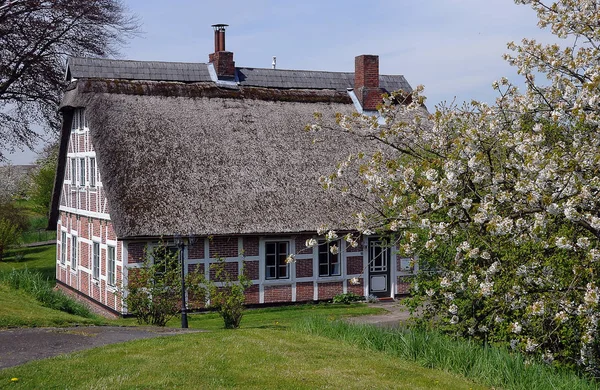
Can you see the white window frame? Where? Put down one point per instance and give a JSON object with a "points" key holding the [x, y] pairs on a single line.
{"points": [[63, 248], [82, 173], [95, 260], [324, 248], [111, 264], [74, 252], [93, 172], [278, 266]]}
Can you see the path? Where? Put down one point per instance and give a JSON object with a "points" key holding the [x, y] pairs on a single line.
{"points": [[21, 345], [396, 314]]}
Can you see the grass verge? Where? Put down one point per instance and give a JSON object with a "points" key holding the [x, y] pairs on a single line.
{"points": [[491, 366], [245, 358], [20, 309]]}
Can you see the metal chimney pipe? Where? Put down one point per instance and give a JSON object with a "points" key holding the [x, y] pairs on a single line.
{"points": [[274, 64], [219, 36]]}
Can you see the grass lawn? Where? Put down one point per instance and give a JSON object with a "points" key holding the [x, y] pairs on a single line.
{"points": [[40, 258], [21, 309], [246, 358]]}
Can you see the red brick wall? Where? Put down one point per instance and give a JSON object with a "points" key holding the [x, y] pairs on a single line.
{"points": [[403, 286], [358, 248], [223, 247], [135, 252], [253, 295], [230, 267], [197, 268], [251, 246], [305, 291], [357, 289], [196, 249], [354, 265], [301, 244], [278, 294], [252, 269], [304, 268], [329, 290]]}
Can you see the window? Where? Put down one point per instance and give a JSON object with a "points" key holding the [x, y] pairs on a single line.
{"points": [[83, 119], [82, 172], [111, 266], [329, 263], [166, 258], [75, 121], [276, 253], [96, 261], [63, 247], [92, 172], [74, 252], [73, 171]]}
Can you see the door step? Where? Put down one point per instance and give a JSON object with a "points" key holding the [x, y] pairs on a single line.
{"points": [[386, 299]]}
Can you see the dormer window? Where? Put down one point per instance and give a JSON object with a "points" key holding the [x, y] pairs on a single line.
{"points": [[79, 122]]}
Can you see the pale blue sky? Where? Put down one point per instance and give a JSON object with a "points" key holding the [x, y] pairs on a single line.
{"points": [[453, 47]]}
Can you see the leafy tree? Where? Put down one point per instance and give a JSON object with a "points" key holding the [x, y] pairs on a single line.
{"points": [[9, 235], [501, 203], [42, 180], [35, 38]]}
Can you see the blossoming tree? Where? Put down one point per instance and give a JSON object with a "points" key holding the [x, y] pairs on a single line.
{"points": [[499, 203]]}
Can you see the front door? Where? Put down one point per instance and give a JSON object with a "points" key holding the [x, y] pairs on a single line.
{"points": [[379, 268]]}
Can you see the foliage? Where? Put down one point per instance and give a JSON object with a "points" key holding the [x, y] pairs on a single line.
{"points": [[35, 37], [9, 235], [42, 289], [153, 292], [347, 298], [226, 293], [42, 181], [492, 366], [500, 204]]}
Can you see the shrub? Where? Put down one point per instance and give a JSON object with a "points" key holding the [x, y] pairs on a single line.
{"points": [[9, 235], [153, 292], [347, 298], [226, 294]]}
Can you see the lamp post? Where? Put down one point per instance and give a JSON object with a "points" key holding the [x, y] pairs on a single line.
{"points": [[181, 246]]}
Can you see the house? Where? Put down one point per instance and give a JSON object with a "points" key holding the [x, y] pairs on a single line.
{"points": [[215, 154]]}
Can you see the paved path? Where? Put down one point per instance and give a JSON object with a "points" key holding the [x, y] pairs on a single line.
{"points": [[20, 345], [396, 314]]}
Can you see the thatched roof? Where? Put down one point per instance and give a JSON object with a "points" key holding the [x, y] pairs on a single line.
{"points": [[194, 158]]}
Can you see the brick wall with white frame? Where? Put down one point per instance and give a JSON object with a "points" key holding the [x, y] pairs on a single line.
{"points": [[84, 220]]}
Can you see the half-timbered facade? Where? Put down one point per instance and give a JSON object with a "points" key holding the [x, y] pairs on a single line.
{"points": [[219, 156]]}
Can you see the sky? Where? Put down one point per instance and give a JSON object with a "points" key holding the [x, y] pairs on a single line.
{"points": [[452, 47]]}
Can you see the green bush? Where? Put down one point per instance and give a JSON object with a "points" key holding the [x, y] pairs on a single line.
{"points": [[347, 298], [153, 291], [227, 295], [9, 235]]}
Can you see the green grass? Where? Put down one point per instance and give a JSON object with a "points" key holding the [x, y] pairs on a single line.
{"points": [[20, 309], [41, 259], [245, 358], [489, 365]]}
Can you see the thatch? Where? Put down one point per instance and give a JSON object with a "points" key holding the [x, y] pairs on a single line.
{"points": [[214, 165]]}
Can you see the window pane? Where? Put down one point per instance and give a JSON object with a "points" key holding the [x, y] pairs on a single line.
{"points": [[82, 172], [270, 272], [74, 252], [323, 270], [92, 172], [270, 260], [270, 248], [283, 270]]}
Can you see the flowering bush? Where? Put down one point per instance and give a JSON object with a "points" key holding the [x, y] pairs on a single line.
{"points": [[499, 203]]}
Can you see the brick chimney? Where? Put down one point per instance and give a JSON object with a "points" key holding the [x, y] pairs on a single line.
{"points": [[366, 81], [222, 60]]}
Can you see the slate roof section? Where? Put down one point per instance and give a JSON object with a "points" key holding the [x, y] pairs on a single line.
{"points": [[87, 68], [90, 68], [308, 79]]}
